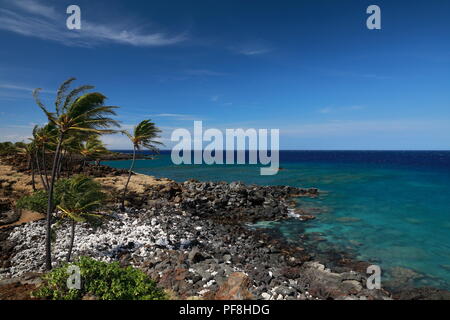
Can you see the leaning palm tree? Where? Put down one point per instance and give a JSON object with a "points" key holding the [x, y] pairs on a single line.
{"points": [[45, 140], [73, 112], [144, 135], [80, 198]]}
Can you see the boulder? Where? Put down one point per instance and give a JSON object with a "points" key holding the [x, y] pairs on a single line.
{"points": [[235, 288], [195, 256]]}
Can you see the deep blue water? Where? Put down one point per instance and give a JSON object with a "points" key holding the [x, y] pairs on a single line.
{"points": [[390, 207]]}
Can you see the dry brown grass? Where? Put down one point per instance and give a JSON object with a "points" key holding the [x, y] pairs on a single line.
{"points": [[138, 182], [19, 182], [14, 184]]}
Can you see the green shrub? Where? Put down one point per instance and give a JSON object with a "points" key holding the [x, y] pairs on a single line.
{"points": [[7, 148], [37, 201], [105, 281]]}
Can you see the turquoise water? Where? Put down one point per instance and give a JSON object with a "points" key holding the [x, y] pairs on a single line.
{"points": [[389, 208]]}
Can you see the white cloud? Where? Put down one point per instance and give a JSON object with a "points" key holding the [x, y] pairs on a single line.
{"points": [[15, 133], [34, 19], [36, 8], [20, 88]]}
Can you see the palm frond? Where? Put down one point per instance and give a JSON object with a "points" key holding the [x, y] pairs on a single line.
{"points": [[50, 115], [73, 95], [60, 95], [144, 135]]}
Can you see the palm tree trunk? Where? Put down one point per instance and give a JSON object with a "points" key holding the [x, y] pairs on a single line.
{"points": [[48, 242], [40, 172], [44, 163], [72, 238], [122, 207], [33, 182], [60, 161]]}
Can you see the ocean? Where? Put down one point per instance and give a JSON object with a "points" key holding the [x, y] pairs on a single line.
{"points": [[391, 208]]}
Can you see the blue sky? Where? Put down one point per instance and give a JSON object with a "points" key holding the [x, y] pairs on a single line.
{"points": [[310, 68]]}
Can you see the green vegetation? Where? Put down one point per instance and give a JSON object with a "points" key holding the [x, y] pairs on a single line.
{"points": [[77, 198], [37, 201], [74, 114], [91, 148], [9, 148], [71, 138], [104, 281], [80, 197], [144, 135]]}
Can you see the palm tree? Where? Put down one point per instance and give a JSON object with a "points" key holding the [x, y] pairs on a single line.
{"points": [[27, 149], [45, 139], [81, 196], [144, 135], [73, 112], [91, 148], [30, 154]]}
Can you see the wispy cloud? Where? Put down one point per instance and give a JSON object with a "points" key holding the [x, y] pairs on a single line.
{"points": [[36, 8], [325, 110], [331, 72], [215, 98], [177, 116], [251, 49], [328, 110], [253, 52], [34, 19], [218, 99], [354, 128], [20, 88]]}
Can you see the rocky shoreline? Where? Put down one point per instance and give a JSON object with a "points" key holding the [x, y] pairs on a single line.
{"points": [[194, 239]]}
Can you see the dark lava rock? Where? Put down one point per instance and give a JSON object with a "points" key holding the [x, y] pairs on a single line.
{"points": [[422, 294], [195, 256]]}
